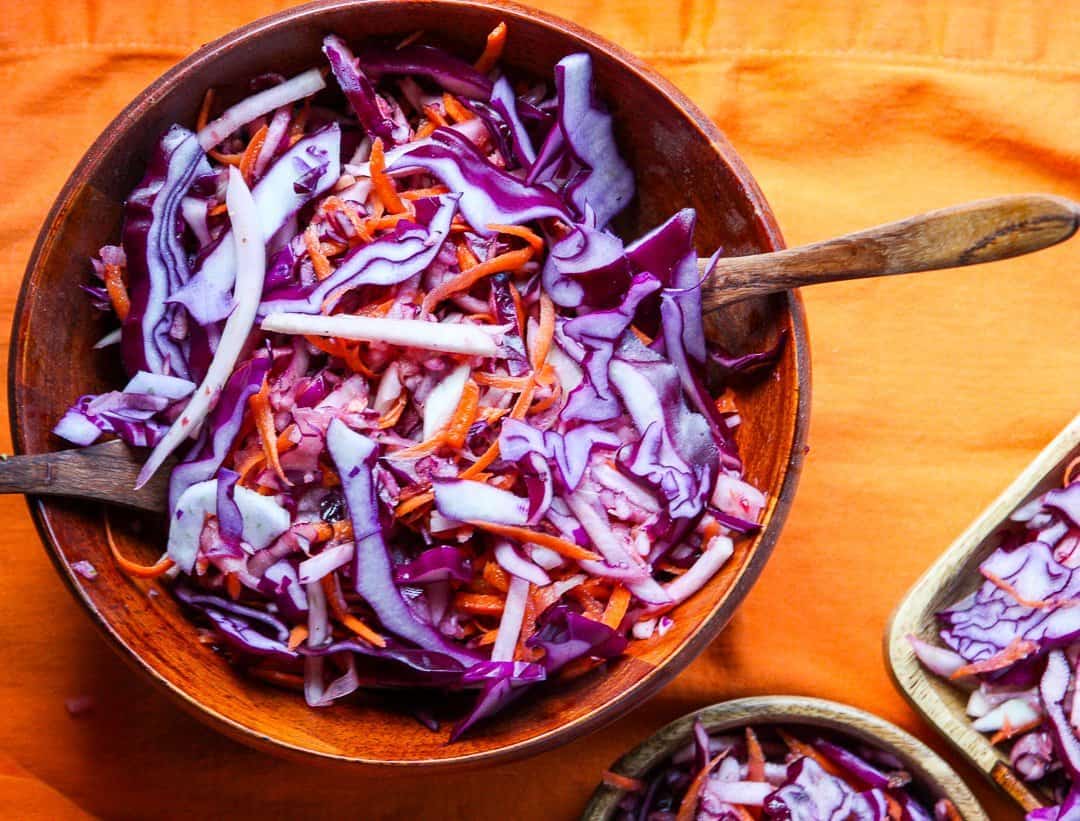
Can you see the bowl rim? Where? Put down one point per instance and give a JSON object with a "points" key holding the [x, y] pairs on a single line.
{"points": [[927, 765], [618, 705]]}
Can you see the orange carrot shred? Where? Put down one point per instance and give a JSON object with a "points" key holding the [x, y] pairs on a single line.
{"points": [[414, 503], [204, 110], [421, 448], [1070, 471], [347, 619], [693, 793], [217, 210], [510, 261], [251, 153], [801, 748], [464, 416], [486, 458], [1016, 650], [264, 423], [233, 586], [495, 576], [465, 256], [117, 291], [421, 193], [506, 383], [617, 605], [493, 49], [951, 813], [393, 414], [454, 109], [622, 782], [755, 757], [520, 231], [527, 536], [435, 117], [384, 186], [297, 636], [138, 571], [479, 604], [319, 263], [1008, 731], [425, 130]]}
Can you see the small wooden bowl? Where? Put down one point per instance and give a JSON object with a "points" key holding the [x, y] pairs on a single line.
{"points": [[925, 766], [681, 160], [949, 579]]}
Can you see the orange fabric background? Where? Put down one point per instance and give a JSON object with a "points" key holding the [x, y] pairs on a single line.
{"points": [[930, 393]]}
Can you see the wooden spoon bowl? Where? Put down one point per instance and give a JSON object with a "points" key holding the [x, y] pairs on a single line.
{"points": [[936, 778], [681, 159]]}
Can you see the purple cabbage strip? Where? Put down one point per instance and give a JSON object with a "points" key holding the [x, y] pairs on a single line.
{"points": [[450, 72], [208, 452], [354, 457], [304, 172], [489, 195], [606, 184], [230, 522], [504, 101], [435, 564], [404, 253], [157, 264], [987, 621], [357, 88]]}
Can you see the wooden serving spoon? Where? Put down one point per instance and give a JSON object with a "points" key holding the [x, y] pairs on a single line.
{"points": [[976, 232]]}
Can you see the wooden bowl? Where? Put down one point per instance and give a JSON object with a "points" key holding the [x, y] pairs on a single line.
{"points": [[925, 766], [949, 579], [681, 160]]}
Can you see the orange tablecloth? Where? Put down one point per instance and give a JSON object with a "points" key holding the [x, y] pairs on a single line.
{"points": [[930, 392]]}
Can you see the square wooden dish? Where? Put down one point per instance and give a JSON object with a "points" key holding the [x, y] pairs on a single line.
{"points": [[949, 579]]}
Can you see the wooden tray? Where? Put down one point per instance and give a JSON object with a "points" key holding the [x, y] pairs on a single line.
{"points": [[950, 578]]}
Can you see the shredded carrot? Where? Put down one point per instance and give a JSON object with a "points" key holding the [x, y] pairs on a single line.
{"points": [[414, 503], [421, 193], [755, 757], [510, 261], [487, 637], [342, 350], [803, 749], [426, 129], [393, 414], [622, 782], [217, 210], [1008, 731], [347, 619], [1070, 471], [593, 609], [464, 416], [1016, 650], [617, 605], [548, 401], [421, 448], [233, 586], [204, 110], [644, 337], [479, 604], [493, 49], [725, 402], [319, 262], [895, 812], [528, 628], [384, 186], [693, 793], [139, 571], [264, 423], [506, 383], [520, 231], [251, 153], [490, 415], [465, 256], [544, 334], [296, 127], [527, 536], [524, 400], [495, 576], [117, 291], [435, 117], [297, 636], [486, 458], [284, 443], [454, 109], [1040, 604]]}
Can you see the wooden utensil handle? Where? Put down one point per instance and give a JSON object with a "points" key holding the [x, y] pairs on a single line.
{"points": [[104, 472], [981, 231]]}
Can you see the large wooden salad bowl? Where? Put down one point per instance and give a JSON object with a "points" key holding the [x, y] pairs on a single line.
{"points": [[680, 159]]}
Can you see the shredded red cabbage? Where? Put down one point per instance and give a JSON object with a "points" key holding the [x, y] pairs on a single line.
{"points": [[778, 774], [1015, 642], [442, 440]]}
